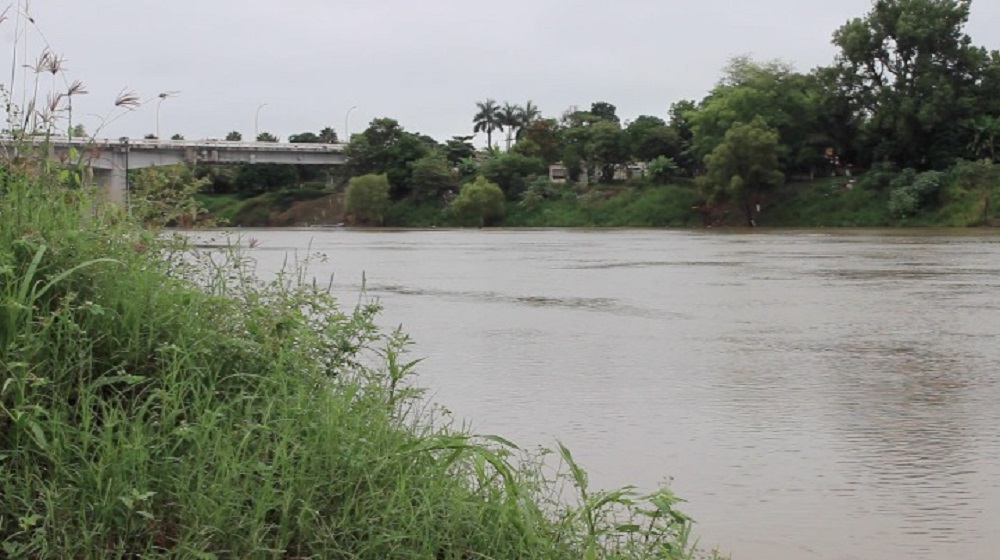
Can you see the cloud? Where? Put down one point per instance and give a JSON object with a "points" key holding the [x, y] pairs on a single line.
{"points": [[423, 63]]}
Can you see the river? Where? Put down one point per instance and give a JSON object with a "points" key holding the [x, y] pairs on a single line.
{"points": [[813, 394]]}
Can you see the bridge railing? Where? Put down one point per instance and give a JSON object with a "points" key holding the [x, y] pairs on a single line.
{"points": [[157, 144]]}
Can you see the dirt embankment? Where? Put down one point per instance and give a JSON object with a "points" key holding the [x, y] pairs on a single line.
{"points": [[261, 212]]}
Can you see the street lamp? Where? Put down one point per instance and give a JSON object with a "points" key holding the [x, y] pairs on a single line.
{"points": [[163, 96], [256, 116], [347, 124]]}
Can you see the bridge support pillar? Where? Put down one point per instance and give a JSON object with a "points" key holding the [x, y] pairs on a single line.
{"points": [[113, 182]]}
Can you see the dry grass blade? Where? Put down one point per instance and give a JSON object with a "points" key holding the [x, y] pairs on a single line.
{"points": [[77, 88], [54, 64], [54, 99], [127, 99]]}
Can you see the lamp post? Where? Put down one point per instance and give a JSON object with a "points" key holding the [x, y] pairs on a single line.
{"points": [[347, 124], [163, 96], [256, 117]]}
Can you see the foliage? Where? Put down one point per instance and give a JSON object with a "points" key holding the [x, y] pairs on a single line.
{"points": [[234, 136], [479, 203], [387, 148], [910, 191], [487, 119], [909, 65], [544, 133], [262, 177], [165, 195], [266, 137], [744, 165], [328, 135], [662, 170], [159, 401], [565, 206], [512, 171], [432, 177], [368, 199], [304, 138], [458, 149], [604, 111], [649, 137], [770, 91]]}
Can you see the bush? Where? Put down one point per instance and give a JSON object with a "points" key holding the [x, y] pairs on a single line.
{"points": [[479, 203], [662, 170], [910, 192], [367, 199]]}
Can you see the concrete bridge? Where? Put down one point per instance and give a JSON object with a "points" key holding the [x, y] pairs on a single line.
{"points": [[111, 160]]}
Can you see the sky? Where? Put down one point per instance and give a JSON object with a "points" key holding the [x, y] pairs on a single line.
{"points": [[301, 65]]}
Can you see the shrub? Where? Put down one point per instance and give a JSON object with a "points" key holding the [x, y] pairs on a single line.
{"points": [[479, 203], [367, 199], [910, 192], [663, 170]]}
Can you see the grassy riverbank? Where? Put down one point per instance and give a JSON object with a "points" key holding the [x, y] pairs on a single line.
{"points": [[158, 402], [966, 195]]}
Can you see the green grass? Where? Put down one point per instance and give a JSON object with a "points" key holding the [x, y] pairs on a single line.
{"points": [[159, 402], [826, 203], [618, 206]]}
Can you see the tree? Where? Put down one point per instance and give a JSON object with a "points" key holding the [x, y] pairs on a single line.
{"points": [[487, 119], [744, 165], [150, 137], [459, 148], [234, 136], [385, 147], [304, 138], [266, 137], [910, 69], [177, 136], [479, 203], [604, 111], [78, 131], [771, 90], [649, 137], [328, 136], [544, 134], [367, 199], [606, 148], [164, 195], [511, 172], [263, 177], [680, 122], [529, 115], [432, 177], [510, 120]]}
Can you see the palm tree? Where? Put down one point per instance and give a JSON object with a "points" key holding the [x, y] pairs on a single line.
{"points": [[487, 119], [328, 136], [529, 114], [510, 118]]}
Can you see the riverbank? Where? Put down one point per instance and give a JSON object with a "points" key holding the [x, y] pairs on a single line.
{"points": [[966, 196], [158, 401]]}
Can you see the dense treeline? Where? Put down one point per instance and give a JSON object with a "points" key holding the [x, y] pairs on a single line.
{"points": [[908, 93]]}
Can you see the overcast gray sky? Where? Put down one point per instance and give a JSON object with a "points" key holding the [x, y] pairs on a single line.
{"points": [[424, 63]]}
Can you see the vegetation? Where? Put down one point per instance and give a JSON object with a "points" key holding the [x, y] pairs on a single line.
{"points": [[368, 199], [157, 401], [479, 203]]}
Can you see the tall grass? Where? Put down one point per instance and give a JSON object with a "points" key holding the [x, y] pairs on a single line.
{"points": [[160, 402]]}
